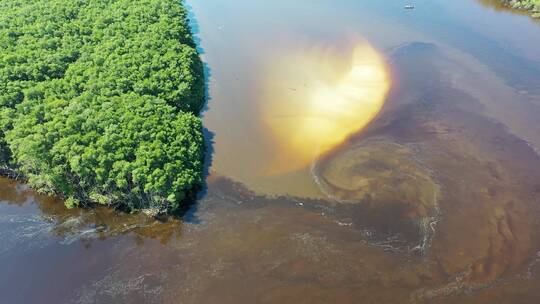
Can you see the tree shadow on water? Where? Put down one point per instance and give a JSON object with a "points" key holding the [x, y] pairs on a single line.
{"points": [[189, 208]]}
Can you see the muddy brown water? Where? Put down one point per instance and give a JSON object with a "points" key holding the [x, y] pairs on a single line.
{"points": [[437, 200]]}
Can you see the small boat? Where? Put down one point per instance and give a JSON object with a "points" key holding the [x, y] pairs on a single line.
{"points": [[409, 6]]}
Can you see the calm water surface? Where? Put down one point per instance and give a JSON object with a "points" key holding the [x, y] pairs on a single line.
{"points": [[426, 189]]}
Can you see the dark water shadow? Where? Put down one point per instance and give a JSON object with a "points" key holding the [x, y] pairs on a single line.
{"points": [[207, 72], [188, 211]]}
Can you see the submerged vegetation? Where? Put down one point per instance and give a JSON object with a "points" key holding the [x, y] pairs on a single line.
{"points": [[99, 100]]}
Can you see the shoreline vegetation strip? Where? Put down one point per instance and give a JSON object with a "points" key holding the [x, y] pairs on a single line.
{"points": [[531, 6], [100, 101]]}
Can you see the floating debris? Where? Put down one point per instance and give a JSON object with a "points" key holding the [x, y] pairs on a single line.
{"points": [[409, 6], [151, 212]]}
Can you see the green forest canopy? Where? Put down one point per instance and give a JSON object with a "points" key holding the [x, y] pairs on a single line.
{"points": [[99, 100]]}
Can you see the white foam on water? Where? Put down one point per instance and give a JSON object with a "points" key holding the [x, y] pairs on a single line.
{"points": [[24, 233]]}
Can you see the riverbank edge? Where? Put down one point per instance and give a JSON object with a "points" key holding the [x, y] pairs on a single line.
{"points": [[532, 7]]}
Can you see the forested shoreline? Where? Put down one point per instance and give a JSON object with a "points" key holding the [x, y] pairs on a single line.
{"points": [[531, 6], [99, 101]]}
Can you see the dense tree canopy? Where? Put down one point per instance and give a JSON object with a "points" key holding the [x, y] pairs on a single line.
{"points": [[99, 100]]}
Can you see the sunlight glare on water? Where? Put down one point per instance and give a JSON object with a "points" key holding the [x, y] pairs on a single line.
{"points": [[328, 96]]}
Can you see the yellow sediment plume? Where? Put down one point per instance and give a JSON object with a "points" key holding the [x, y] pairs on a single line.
{"points": [[318, 97]]}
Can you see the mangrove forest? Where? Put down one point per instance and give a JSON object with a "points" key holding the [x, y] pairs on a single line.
{"points": [[99, 101]]}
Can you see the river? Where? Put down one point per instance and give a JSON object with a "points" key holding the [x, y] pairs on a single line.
{"points": [[360, 152]]}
